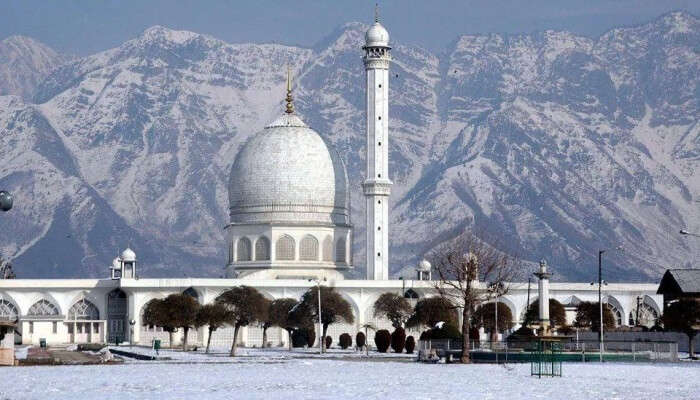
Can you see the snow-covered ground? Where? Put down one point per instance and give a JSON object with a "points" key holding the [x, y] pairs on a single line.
{"points": [[297, 378], [221, 355]]}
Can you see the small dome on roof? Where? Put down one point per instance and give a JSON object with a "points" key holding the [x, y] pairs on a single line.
{"points": [[424, 265], [128, 255], [376, 35]]}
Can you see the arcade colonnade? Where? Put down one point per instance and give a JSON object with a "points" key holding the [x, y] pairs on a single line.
{"points": [[91, 310]]}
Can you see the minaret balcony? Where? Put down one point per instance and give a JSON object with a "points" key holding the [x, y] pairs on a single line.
{"points": [[377, 187]]}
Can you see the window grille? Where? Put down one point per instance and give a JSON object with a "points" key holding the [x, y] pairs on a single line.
{"points": [[328, 249], [340, 251], [284, 250], [308, 248], [243, 249], [262, 248], [43, 308], [8, 311], [83, 310]]}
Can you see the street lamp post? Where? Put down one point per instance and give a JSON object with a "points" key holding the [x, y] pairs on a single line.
{"points": [[131, 333], [320, 324]]}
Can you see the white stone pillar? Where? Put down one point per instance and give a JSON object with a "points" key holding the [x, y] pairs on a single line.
{"points": [[543, 294]]}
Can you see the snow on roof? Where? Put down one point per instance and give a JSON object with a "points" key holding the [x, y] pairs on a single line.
{"points": [[687, 280]]}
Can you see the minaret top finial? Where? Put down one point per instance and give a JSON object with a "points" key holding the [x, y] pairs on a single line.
{"points": [[376, 12], [289, 99]]}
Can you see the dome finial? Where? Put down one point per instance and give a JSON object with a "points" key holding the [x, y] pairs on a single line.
{"points": [[289, 99], [376, 12]]}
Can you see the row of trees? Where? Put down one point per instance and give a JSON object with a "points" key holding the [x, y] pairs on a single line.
{"points": [[242, 306]]}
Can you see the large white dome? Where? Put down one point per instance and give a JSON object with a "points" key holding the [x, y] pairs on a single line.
{"points": [[287, 174]]}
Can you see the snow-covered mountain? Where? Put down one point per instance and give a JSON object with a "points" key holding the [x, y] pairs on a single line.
{"points": [[24, 62], [557, 144]]}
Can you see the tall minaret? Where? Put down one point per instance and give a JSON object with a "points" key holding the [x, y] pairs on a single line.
{"points": [[377, 185]]}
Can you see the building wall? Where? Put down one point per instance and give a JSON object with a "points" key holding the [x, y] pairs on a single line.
{"points": [[361, 294]]}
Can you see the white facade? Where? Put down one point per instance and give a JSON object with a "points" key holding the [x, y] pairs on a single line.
{"points": [[108, 320], [377, 185]]}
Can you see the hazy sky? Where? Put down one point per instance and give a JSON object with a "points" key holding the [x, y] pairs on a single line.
{"points": [[87, 26]]}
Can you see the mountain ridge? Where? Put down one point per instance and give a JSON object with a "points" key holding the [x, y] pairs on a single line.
{"points": [[546, 140]]}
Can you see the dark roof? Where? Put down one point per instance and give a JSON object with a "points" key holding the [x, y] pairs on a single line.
{"points": [[686, 281]]}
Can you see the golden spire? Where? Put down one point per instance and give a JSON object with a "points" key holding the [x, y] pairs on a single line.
{"points": [[376, 12], [288, 99]]}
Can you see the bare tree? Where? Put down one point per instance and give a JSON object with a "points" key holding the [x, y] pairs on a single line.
{"points": [[471, 272]]}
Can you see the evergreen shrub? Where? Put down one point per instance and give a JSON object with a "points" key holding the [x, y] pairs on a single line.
{"points": [[410, 344], [345, 341], [360, 340], [382, 339], [398, 340]]}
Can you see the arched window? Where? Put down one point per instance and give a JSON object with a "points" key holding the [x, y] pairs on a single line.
{"points": [[410, 294], [617, 314], [284, 249], [230, 254], [83, 310], [646, 315], [43, 308], [328, 249], [340, 251], [262, 248], [243, 249], [8, 311], [192, 293], [308, 248]]}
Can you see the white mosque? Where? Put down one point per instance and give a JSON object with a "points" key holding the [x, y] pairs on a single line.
{"points": [[289, 225]]}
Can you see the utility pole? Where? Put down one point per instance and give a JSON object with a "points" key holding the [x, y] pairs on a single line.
{"points": [[600, 296], [320, 324], [600, 299], [527, 307]]}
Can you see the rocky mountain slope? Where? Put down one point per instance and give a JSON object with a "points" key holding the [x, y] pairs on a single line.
{"points": [[24, 63], [557, 144]]}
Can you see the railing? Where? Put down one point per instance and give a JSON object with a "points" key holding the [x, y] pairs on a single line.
{"points": [[571, 350]]}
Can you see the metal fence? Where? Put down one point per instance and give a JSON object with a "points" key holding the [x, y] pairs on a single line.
{"points": [[571, 351]]}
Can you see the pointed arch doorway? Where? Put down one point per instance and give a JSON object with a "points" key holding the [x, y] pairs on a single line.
{"points": [[117, 323]]}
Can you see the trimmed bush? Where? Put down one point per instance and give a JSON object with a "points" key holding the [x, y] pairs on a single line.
{"points": [[398, 340], [329, 341], [303, 337], [345, 341], [360, 340], [382, 339], [410, 344]]}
